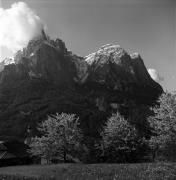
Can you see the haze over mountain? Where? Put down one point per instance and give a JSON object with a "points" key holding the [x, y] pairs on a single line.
{"points": [[26, 25]]}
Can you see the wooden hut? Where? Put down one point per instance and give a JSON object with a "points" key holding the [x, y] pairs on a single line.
{"points": [[14, 153]]}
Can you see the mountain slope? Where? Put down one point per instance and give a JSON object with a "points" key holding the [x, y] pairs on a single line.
{"points": [[46, 78]]}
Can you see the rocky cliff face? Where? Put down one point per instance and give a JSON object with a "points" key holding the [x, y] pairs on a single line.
{"points": [[114, 69], [46, 78]]}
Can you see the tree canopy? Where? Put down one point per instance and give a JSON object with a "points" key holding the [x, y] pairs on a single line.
{"points": [[121, 142], [61, 138], [163, 124]]}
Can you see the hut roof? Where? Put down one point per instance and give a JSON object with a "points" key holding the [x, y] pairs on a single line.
{"points": [[2, 147], [13, 149], [6, 155]]}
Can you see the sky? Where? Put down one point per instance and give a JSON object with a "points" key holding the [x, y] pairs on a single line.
{"points": [[144, 26]]}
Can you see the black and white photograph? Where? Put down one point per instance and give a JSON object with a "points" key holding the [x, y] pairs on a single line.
{"points": [[88, 89]]}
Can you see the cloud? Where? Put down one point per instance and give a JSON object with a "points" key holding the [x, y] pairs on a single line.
{"points": [[18, 25], [155, 75]]}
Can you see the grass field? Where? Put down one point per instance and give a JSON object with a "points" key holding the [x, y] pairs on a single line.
{"points": [[151, 171]]}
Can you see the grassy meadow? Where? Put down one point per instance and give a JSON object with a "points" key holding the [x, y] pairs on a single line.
{"points": [[143, 171]]}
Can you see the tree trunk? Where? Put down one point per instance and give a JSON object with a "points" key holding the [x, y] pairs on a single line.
{"points": [[155, 152], [65, 156]]}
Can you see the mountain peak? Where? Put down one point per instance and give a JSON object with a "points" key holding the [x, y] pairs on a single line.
{"points": [[135, 55], [106, 50]]}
